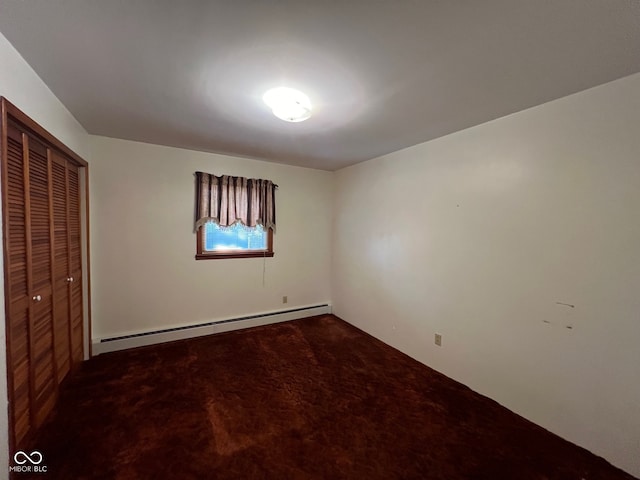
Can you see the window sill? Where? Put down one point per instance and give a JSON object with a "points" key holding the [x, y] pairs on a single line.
{"points": [[218, 256]]}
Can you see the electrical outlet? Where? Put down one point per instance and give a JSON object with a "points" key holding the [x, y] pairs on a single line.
{"points": [[285, 299], [438, 339]]}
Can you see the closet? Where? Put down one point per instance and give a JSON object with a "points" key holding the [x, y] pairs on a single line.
{"points": [[43, 274]]}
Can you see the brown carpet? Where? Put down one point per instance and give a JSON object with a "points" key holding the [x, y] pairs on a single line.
{"points": [[309, 399]]}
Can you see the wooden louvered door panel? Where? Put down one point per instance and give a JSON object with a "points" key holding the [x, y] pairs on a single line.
{"points": [[38, 229], [16, 286], [61, 294], [75, 263]]}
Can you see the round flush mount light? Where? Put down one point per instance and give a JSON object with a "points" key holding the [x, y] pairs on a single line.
{"points": [[288, 104]]}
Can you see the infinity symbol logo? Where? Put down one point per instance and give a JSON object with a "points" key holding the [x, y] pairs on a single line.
{"points": [[35, 457]]}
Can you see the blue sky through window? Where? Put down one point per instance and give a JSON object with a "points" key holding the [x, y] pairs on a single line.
{"points": [[237, 237]]}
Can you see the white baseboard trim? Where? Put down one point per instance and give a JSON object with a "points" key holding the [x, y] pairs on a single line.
{"points": [[140, 339]]}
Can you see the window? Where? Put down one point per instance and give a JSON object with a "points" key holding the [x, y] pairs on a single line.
{"points": [[236, 241], [235, 216]]}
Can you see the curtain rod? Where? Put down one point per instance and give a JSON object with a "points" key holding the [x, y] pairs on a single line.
{"points": [[234, 176]]}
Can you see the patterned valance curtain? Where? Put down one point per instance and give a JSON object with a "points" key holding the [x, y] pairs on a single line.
{"points": [[229, 200]]}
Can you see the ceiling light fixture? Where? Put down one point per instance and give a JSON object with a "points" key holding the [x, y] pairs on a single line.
{"points": [[288, 104]]}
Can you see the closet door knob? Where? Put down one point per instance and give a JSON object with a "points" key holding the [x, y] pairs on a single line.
{"points": [[69, 279], [37, 298]]}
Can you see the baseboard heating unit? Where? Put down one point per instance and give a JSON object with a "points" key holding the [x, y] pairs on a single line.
{"points": [[140, 339]]}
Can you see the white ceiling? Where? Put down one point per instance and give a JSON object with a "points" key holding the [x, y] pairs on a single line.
{"points": [[382, 74]]}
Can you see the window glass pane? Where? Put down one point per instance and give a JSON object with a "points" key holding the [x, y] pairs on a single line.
{"points": [[237, 237]]}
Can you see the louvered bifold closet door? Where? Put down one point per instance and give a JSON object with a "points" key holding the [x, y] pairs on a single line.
{"points": [[61, 269], [16, 285], [39, 230], [42, 268], [75, 262]]}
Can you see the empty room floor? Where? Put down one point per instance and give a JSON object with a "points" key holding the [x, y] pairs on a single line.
{"points": [[308, 399]]}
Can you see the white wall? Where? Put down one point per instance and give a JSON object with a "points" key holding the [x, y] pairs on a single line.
{"points": [[477, 235], [22, 87], [144, 275]]}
